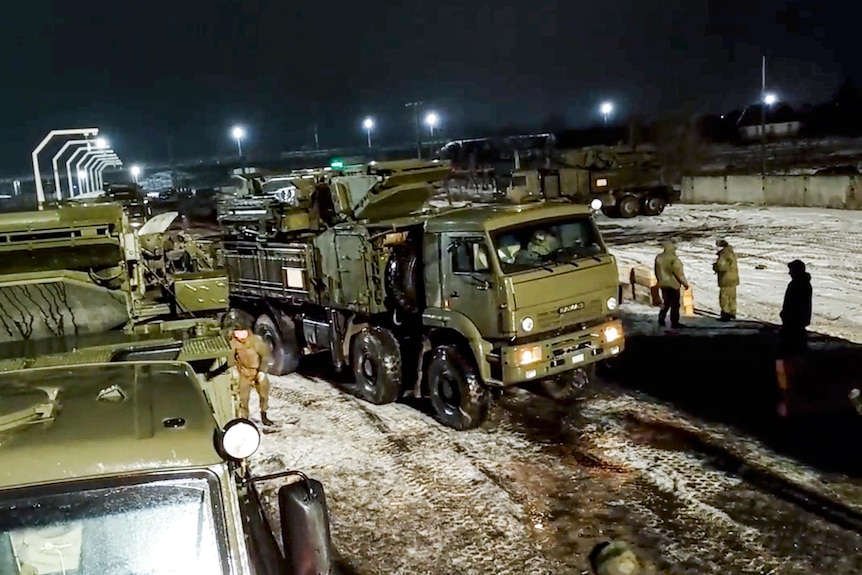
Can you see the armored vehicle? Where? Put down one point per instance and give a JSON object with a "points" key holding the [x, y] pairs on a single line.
{"points": [[122, 468], [450, 304]]}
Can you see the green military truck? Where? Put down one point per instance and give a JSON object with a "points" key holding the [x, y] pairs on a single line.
{"points": [[452, 304], [107, 426], [122, 468]]}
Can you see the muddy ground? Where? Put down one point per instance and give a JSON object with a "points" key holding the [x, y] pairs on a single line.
{"points": [[677, 450]]}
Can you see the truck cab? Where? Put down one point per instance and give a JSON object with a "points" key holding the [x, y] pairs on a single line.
{"points": [[122, 468]]}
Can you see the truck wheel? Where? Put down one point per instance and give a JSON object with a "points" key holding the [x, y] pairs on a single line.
{"points": [[402, 280], [654, 205], [629, 207], [611, 211], [377, 365], [284, 351], [457, 396]]}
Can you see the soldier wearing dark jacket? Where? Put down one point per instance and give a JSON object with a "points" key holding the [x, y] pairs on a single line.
{"points": [[796, 312], [670, 277]]}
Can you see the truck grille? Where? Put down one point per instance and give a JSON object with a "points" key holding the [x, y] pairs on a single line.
{"points": [[552, 319]]}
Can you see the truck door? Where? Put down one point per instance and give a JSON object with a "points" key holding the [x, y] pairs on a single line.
{"points": [[468, 282]]}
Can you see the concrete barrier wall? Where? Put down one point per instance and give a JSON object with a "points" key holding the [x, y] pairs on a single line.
{"points": [[838, 192]]}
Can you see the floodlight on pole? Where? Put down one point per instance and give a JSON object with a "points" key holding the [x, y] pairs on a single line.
{"points": [[368, 124], [37, 174], [770, 99], [432, 120], [58, 190], [136, 172], [238, 134], [607, 108]]}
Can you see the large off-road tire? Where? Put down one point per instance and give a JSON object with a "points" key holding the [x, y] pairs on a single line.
{"points": [[654, 205], [376, 359], [459, 399], [283, 346], [629, 206], [403, 278]]}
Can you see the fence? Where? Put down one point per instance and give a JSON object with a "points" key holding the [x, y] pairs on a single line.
{"points": [[839, 192]]}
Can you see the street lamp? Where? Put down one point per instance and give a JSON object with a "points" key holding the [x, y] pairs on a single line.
{"points": [[136, 171], [770, 99], [99, 169], [40, 190], [431, 120], [58, 191], [69, 170], [238, 134], [607, 108], [368, 124], [89, 160]]}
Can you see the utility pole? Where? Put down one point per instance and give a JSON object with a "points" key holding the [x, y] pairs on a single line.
{"points": [[415, 106], [763, 117], [316, 138]]}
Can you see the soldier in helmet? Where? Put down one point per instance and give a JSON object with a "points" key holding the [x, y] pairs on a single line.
{"points": [[727, 271], [248, 363]]}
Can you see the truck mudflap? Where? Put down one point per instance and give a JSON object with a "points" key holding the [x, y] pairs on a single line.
{"points": [[545, 358]]}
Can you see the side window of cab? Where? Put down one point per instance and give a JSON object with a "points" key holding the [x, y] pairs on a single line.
{"points": [[469, 256]]}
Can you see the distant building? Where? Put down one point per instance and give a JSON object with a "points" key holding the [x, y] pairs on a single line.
{"points": [[781, 122]]}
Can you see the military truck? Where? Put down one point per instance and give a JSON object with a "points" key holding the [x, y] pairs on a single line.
{"points": [[450, 304], [122, 468], [629, 181]]}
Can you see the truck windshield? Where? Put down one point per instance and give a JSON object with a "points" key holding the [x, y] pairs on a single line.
{"points": [[153, 528], [546, 243]]}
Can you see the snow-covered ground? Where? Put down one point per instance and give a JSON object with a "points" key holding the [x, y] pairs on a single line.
{"points": [[537, 486], [765, 240]]}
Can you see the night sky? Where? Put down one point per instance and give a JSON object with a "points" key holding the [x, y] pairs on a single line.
{"points": [[189, 69]]}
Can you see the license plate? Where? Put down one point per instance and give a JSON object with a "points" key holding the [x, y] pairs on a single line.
{"points": [[578, 358]]}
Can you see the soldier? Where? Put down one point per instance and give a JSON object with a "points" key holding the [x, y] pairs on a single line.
{"points": [[796, 312], [728, 278], [248, 364], [670, 277], [614, 558]]}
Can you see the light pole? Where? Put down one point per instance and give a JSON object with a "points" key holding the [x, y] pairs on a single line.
{"points": [[238, 134], [69, 169], [89, 161], [101, 165], [58, 191], [431, 120], [136, 172], [82, 181], [368, 124], [415, 106], [37, 174], [607, 108]]}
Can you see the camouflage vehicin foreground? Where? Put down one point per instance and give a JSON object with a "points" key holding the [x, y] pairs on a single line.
{"points": [[122, 468], [449, 304]]}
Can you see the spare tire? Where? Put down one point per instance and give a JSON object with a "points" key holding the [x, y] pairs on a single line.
{"points": [[403, 278]]}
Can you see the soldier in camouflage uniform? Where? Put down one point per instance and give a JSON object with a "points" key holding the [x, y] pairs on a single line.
{"points": [[248, 366], [728, 278]]}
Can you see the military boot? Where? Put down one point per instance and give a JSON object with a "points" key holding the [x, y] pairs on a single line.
{"points": [[265, 420]]}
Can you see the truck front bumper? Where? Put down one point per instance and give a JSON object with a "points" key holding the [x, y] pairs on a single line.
{"points": [[550, 357]]}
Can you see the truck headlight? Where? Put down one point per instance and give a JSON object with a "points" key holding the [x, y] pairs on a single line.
{"points": [[596, 204], [527, 324], [528, 355], [612, 333], [612, 303], [239, 440]]}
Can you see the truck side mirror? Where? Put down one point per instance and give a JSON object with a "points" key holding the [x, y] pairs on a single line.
{"points": [[305, 528]]}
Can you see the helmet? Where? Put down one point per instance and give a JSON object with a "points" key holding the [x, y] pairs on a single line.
{"points": [[543, 242], [235, 319]]}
